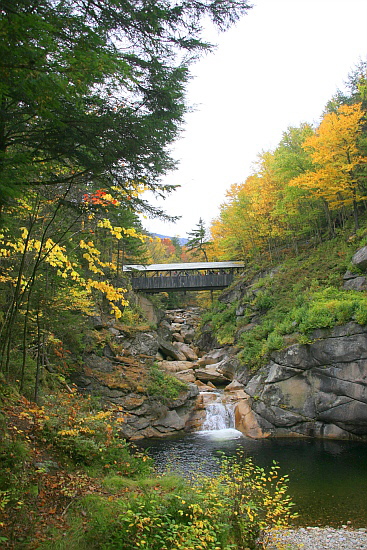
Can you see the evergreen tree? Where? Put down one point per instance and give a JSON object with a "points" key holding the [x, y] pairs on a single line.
{"points": [[92, 91], [197, 241]]}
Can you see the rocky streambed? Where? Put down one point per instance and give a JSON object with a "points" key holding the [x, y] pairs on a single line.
{"points": [[118, 372]]}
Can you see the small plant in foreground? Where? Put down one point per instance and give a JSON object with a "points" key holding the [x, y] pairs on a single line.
{"points": [[257, 499]]}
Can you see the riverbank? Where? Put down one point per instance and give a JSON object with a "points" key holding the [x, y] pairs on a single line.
{"points": [[318, 538]]}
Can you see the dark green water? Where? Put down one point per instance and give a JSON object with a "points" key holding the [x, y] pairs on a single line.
{"points": [[328, 479]]}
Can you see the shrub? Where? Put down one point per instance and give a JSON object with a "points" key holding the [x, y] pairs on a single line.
{"points": [[162, 384], [226, 511], [257, 500], [88, 435], [273, 342], [263, 301]]}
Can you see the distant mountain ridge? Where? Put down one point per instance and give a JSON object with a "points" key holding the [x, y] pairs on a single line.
{"points": [[181, 240]]}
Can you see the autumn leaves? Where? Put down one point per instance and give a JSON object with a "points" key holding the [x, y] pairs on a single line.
{"points": [[312, 182]]}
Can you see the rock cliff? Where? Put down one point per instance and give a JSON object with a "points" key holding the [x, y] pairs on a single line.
{"points": [[116, 368], [314, 390], [311, 390]]}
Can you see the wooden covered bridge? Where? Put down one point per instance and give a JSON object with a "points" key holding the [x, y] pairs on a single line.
{"points": [[182, 277]]}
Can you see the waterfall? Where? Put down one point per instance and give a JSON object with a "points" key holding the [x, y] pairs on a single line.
{"points": [[219, 415]]}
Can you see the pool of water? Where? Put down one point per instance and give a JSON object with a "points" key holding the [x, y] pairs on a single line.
{"points": [[328, 479]]}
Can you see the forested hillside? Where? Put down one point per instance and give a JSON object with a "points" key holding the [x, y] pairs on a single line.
{"points": [[92, 95], [296, 222]]}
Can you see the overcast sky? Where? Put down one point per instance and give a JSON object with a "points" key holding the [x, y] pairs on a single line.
{"points": [[276, 68]]}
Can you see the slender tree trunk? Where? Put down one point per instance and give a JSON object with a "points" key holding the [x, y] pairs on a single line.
{"points": [[355, 215], [328, 218], [39, 357], [16, 302], [24, 345]]}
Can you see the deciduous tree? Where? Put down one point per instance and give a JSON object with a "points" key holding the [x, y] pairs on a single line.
{"points": [[337, 159]]}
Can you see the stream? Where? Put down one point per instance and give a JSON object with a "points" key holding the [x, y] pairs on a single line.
{"points": [[328, 478]]}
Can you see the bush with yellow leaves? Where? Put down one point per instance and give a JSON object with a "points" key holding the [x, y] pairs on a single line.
{"points": [[227, 511], [79, 429]]}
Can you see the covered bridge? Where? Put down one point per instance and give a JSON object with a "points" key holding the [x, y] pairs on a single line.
{"points": [[181, 277]]}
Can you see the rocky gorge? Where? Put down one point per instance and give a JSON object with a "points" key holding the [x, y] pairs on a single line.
{"points": [[317, 389]]}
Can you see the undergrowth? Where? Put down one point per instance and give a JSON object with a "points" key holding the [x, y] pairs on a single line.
{"points": [[68, 482], [223, 512]]}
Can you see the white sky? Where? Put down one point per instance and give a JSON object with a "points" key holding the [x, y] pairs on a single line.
{"points": [[276, 68]]}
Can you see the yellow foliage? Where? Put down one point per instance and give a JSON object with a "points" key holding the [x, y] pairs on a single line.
{"points": [[335, 153]]}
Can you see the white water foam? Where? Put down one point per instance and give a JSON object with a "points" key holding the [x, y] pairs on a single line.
{"points": [[226, 433]]}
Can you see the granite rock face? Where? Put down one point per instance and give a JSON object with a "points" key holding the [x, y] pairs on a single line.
{"points": [[314, 390], [360, 258]]}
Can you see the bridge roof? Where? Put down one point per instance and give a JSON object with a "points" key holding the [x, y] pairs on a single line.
{"points": [[184, 267]]}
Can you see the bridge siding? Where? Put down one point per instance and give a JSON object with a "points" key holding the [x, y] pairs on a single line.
{"points": [[182, 282]]}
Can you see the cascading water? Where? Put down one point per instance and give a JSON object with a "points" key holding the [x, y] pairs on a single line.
{"points": [[219, 420], [219, 416]]}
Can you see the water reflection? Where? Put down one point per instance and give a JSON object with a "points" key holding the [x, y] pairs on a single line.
{"points": [[328, 479]]}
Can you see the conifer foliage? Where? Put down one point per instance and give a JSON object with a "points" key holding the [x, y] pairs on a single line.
{"points": [[92, 91]]}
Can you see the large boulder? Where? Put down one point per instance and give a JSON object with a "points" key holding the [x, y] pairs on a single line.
{"points": [[170, 350], [317, 390], [175, 366], [213, 357], [188, 352], [356, 283], [360, 259], [186, 376], [188, 335], [246, 421], [211, 373], [170, 420]]}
